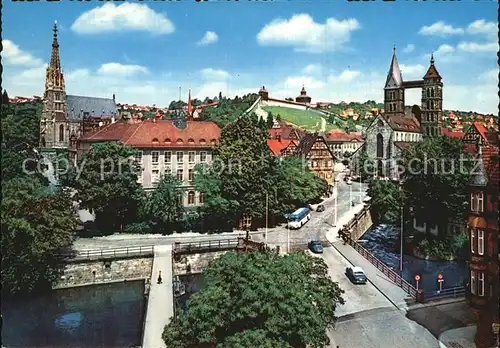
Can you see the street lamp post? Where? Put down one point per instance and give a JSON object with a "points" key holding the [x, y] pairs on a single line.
{"points": [[401, 237], [335, 206]]}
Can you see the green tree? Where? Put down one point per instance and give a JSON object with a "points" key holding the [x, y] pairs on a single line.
{"points": [[228, 110], [386, 201], [38, 229], [163, 210], [364, 166], [247, 298], [270, 120], [436, 177], [107, 185]]}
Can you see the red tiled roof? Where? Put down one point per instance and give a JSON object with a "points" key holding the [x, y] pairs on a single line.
{"points": [[404, 123], [340, 135], [285, 131], [158, 133], [451, 133], [276, 146], [492, 165]]}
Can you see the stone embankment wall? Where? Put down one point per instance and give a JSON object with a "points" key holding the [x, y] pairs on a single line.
{"points": [[284, 105], [101, 272], [361, 223], [194, 263]]}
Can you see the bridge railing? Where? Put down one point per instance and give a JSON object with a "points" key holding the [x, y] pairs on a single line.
{"points": [[458, 291], [391, 274], [96, 254], [219, 244]]}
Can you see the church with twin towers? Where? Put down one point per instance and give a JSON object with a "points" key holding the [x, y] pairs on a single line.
{"points": [[399, 126]]}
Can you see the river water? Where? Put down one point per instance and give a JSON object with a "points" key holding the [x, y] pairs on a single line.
{"points": [[109, 315], [383, 242]]}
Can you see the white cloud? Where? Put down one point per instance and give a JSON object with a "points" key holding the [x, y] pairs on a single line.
{"points": [[444, 49], [120, 69], [412, 71], [345, 76], [303, 34], [210, 37], [215, 74], [296, 82], [440, 28], [481, 26], [476, 47], [409, 48], [312, 69], [491, 75], [13, 55], [128, 16]]}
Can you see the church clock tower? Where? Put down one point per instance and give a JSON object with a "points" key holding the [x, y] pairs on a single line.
{"points": [[54, 123]]}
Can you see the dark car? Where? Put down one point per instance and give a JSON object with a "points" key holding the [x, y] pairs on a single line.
{"points": [[316, 246], [320, 208], [356, 275]]}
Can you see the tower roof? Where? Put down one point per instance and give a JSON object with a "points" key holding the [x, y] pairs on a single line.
{"points": [[432, 72], [394, 76], [55, 61]]}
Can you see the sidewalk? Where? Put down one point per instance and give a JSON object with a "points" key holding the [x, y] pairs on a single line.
{"points": [[462, 337]]}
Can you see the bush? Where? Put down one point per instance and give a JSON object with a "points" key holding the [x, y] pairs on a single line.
{"points": [[137, 228]]}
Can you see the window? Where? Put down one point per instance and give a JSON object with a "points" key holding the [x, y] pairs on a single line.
{"points": [[61, 133], [191, 175], [472, 202], [138, 157], [155, 155], [58, 96], [180, 157], [180, 198], [480, 242], [191, 156], [180, 175], [155, 177], [472, 240], [380, 145], [167, 157], [200, 197], [480, 201], [473, 282], [480, 284], [315, 164], [191, 197]]}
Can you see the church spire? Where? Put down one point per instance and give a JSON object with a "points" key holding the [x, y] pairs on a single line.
{"points": [[189, 108], [55, 62], [394, 76]]}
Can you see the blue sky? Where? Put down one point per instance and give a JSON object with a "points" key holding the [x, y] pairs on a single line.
{"points": [[339, 50]]}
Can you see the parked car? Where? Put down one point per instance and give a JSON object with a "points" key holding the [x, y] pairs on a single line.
{"points": [[356, 275], [320, 208], [315, 246], [349, 181]]}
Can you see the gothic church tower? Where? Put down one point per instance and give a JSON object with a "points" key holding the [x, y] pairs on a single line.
{"points": [[54, 122], [432, 102], [394, 93]]}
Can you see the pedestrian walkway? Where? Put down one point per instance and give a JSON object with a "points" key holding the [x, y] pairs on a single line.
{"points": [[160, 307], [462, 337]]}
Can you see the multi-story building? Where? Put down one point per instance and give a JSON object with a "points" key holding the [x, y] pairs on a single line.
{"points": [[320, 159], [342, 143], [66, 117], [484, 252], [164, 147]]}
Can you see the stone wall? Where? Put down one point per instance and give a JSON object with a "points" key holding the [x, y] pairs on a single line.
{"points": [[361, 223], [194, 263], [100, 272]]}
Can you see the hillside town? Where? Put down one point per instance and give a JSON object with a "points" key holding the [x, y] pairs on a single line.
{"points": [[253, 221]]}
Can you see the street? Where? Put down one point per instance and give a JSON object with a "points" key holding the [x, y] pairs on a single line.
{"points": [[316, 228]]}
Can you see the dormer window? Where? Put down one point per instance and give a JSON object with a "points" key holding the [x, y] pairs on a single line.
{"points": [[190, 141], [213, 142], [203, 142], [155, 141], [179, 141], [167, 141]]}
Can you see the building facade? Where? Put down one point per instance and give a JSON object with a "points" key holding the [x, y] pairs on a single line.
{"points": [[342, 143], [483, 293], [164, 147], [65, 118]]}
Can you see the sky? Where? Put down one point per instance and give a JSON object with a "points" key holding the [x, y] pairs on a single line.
{"points": [[339, 50]]}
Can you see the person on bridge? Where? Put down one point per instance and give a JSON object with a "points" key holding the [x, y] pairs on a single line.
{"points": [[159, 278]]}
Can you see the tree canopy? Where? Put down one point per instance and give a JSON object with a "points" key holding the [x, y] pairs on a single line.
{"points": [[386, 201], [259, 300], [106, 184], [38, 229], [228, 110], [436, 176]]}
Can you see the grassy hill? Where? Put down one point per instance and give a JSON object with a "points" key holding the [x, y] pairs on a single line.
{"points": [[311, 120]]}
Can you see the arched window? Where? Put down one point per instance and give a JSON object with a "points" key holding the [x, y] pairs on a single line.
{"points": [[380, 171], [200, 198], [380, 145], [191, 197], [61, 133]]}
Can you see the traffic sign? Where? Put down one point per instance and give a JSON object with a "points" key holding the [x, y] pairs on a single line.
{"points": [[417, 277], [440, 276]]}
